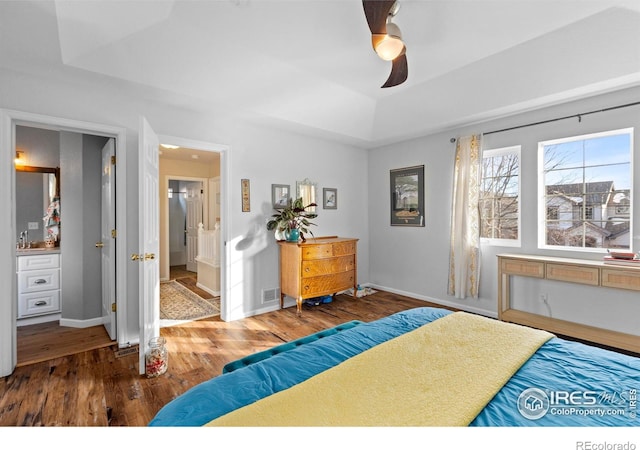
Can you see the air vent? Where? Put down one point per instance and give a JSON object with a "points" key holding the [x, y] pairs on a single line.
{"points": [[270, 295]]}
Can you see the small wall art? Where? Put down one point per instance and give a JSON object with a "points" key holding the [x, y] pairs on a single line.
{"points": [[280, 194], [407, 196], [246, 195], [329, 198]]}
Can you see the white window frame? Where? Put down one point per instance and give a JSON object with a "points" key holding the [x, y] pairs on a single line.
{"points": [[542, 206], [513, 150]]}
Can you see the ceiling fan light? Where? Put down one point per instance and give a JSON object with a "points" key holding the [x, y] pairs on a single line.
{"points": [[390, 47]]}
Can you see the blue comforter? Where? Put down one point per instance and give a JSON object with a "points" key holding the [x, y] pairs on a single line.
{"points": [[564, 384]]}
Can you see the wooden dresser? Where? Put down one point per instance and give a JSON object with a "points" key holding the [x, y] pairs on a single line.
{"points": [[317, 267]]}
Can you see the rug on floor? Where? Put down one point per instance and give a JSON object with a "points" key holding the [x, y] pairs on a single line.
{"points": [[179, 303]]}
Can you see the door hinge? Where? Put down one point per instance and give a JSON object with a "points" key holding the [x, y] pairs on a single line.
{"points": [[114, 234], [113, 307], [113, 160]]}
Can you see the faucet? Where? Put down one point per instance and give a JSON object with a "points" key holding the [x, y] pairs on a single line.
{"points": [[24, 238]]}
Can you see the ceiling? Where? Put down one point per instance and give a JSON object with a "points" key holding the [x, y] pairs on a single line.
{"points": [[308, 65]]}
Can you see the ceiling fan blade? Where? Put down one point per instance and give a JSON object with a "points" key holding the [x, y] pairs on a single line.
{"points": [[399, 72], [376, 12]]}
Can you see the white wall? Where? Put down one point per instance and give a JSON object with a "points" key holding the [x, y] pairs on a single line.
{"points": [[269, 157], [414, 261]]}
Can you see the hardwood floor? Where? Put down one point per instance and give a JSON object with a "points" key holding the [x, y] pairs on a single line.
{"points": [[98, 388], [45, 341]]}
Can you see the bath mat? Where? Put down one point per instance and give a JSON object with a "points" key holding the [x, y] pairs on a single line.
{"points": [[179, 303]]}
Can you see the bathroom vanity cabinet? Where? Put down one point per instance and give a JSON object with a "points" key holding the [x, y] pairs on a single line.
{"points": [[38, 283]]}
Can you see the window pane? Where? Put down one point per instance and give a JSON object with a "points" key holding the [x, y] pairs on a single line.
{"points": [[500, 194], [587, 184]]}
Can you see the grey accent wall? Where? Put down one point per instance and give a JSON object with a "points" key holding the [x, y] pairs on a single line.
{"points": [[80, 200], [71, 225]]}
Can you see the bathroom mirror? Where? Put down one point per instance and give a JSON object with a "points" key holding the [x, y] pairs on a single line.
{"points": [[307, 190], [37, 189]]}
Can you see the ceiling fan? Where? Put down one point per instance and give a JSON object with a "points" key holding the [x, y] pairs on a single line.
{"points": [[386, 38]]}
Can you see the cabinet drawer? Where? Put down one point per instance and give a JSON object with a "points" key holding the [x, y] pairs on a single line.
{"points": [[313, 268], [524, 268], [573, 274], [327, 284], [38, 280], [38, 303], [35, 262], [621, 279], [317, 251]]}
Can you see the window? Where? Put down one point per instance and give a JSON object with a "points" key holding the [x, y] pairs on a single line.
{"points": [[585, 182], [500, 196]]}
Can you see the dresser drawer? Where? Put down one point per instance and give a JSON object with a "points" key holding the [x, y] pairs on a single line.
{"points": [[38, 303], [317, 251], [313, 268], [35, 262], [327, 284], [38, 280]]}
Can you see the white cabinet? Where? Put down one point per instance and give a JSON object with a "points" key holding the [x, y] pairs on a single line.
{"points": [[38, 284]]}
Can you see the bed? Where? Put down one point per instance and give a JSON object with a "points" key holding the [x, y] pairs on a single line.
{"points": [[421, 367]]}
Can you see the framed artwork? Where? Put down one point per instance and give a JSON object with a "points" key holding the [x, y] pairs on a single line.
{"points": [[407, 196], [329, 198], [280, 194], [246, 196]]}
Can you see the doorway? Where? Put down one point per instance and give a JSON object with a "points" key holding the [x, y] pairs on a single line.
{"points": [[76, 235], [189, 196], [8, 310]]}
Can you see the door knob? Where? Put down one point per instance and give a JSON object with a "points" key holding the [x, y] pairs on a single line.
{"points": [[99, 244], [135, 257], [149, 256]]}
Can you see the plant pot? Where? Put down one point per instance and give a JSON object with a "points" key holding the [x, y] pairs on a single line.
{"points": [[293, 235]]}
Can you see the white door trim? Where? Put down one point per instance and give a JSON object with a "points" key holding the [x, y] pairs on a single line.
{"points": [[9, 119]]}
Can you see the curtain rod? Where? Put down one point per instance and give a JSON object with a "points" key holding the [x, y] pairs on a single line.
{"points": [[579, 116]]}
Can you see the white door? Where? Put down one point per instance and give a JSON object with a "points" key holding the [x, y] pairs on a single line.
{"points": [[194, 217], [149, 238], [107, 242]]}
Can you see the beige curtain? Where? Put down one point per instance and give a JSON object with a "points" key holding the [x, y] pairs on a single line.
{"points": [[464, 262]]}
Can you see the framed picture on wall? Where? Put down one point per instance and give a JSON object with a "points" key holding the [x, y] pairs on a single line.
{"points": [[407, 196], [280, 194], [329, 198], [246, 196]]}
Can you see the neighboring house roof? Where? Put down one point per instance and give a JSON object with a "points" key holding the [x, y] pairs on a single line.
{"points": [[593, 227], [617, 227], [595, 193]]}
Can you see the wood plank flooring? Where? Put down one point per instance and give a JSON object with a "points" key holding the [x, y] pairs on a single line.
{"points": [[97, 388], [44, 341]]}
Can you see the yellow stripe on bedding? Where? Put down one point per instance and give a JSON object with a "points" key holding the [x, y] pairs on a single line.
{"points": [[441, 374]]}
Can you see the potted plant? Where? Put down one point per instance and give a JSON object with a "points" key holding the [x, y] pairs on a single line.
{"points": [[292, 221]]}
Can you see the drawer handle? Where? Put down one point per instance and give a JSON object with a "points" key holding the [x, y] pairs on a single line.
{"points": [[40, 303], [40, 281], [306, 288], [306, 269]]}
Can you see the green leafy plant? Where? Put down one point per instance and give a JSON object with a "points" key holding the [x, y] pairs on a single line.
{"points": [[293, 216]]}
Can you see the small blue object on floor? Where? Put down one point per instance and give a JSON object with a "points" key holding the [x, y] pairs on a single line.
{"points": [[315, 301]]}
